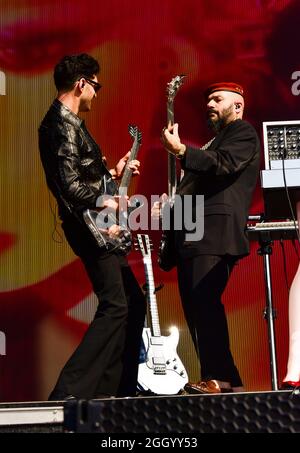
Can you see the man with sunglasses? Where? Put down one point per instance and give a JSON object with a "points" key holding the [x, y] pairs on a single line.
{"points": [[106, 361]]}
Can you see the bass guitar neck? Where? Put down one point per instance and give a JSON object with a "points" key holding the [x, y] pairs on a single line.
{"points": [[172, 89]]}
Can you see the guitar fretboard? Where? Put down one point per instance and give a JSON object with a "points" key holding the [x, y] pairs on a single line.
{"points": [[126, 178], [172, 174], [151, 297], [172, 88]]}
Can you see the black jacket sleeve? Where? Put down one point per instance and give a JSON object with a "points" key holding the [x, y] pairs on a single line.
{"points": [[236, 150], [71, 181]]}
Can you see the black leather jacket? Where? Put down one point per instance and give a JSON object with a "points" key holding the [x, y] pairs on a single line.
{"points": [[72, 160]]}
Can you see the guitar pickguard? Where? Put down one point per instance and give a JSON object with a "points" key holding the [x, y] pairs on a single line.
{"points": [[174, 377]]}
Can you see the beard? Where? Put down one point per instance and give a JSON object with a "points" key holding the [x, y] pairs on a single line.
{"points": [[216, 125], [220, 121]]}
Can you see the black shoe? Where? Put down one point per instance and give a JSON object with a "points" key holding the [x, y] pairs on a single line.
{"points": [[60, 396], [103, 396]]}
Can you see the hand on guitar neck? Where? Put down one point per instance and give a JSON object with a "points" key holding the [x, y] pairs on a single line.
{"points": [[171, 141], [123, 163]]}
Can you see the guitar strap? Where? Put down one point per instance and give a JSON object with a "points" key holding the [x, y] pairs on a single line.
{"points": [[207, 145]]}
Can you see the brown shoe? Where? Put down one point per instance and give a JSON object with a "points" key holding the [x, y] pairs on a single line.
{"points": [[208, 387]]}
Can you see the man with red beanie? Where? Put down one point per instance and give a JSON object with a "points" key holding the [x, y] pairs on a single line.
{"points": [[225, 171]]}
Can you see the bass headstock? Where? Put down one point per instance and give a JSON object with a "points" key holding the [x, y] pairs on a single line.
{"points": [[173, 87], [135, 133]]}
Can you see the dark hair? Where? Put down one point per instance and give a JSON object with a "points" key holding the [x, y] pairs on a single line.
{"points": [[72, 67]]}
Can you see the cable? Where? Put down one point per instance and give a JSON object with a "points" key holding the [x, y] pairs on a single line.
{"points": [[55, 223]]}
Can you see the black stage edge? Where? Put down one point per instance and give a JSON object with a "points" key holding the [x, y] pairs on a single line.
{"points": [[41, 428], [32, 417], [255, 412]]}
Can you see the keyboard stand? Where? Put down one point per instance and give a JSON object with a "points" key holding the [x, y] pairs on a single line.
{"points": [[265, 251]]}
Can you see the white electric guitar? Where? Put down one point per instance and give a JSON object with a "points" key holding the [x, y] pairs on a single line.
{"points": [[162, 372]]}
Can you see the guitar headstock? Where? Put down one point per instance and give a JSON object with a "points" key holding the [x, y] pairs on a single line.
{"points": [[135, 133], [143, 244], [173, 87]]}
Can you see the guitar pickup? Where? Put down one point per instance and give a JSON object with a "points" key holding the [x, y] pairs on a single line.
{"points": [[157, 341], [159, 361]]}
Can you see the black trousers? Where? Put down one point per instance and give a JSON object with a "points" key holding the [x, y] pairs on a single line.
{"points": [[106, 360], [202, 281]]}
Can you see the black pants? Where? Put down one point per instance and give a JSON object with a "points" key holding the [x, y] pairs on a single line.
{"points": [[106, 360], [202, 281]]}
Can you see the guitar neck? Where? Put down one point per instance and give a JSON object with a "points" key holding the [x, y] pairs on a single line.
{"points": [[126, 178], [172, 176], [154, 318], [170, 112], [123, 188]]}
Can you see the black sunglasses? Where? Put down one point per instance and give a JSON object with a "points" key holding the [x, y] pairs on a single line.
{"points": [[94, 84]]}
